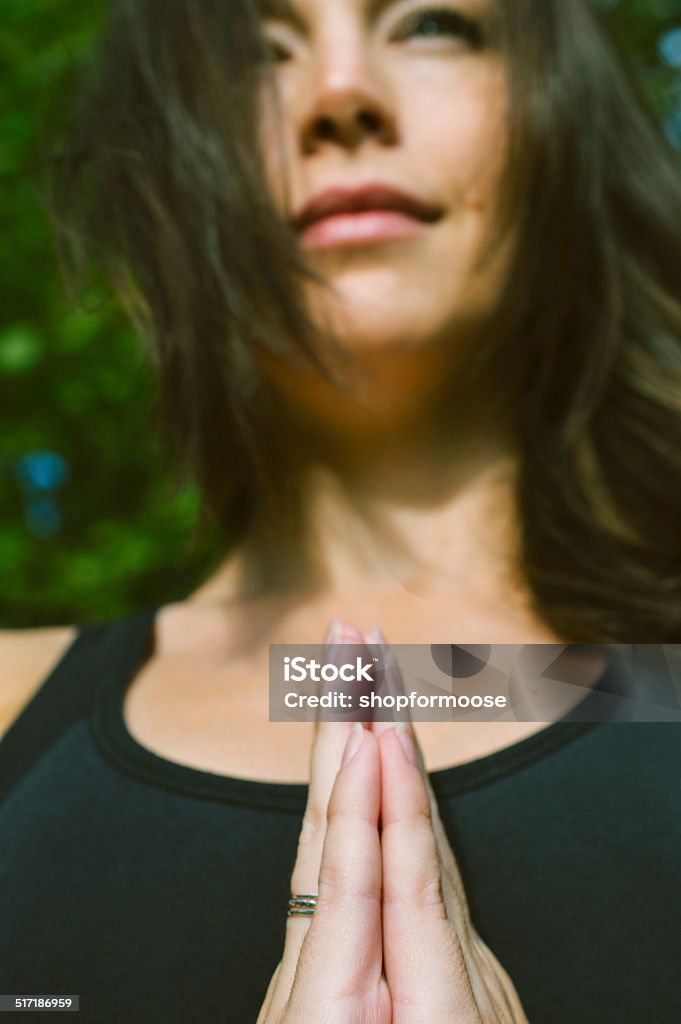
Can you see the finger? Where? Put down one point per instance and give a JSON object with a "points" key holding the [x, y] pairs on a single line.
{"points": [[327, 751], [325, 760], [492, 988], [341, 955], [395, 684], [457, 908], [392, 677], [493, 991], [423, 958]]}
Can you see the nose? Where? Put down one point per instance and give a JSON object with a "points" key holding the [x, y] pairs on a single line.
{"points": [[347, 102]]}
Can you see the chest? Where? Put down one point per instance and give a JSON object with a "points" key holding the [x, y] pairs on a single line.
{"points": [[218, 721], [156, 906], [202, 698]]}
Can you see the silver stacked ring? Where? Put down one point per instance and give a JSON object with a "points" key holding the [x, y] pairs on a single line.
{"points": [[302, 905]]}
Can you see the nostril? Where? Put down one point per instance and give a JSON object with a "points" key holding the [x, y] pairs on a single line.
{"points": [[368, 120], [325, 128]]}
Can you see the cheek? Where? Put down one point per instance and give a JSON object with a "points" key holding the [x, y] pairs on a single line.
{"points": [[465, 134]]}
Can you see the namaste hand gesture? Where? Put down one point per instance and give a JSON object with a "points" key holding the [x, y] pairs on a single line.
{"points": [[391, 940]]}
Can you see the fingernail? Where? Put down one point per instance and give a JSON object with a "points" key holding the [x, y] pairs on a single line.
{"points": [[389, 659], [406, 739], [349, 634], [354, 743], [333, 632]]}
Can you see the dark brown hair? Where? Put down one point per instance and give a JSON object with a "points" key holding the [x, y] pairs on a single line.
{"points": [[161, 184]]}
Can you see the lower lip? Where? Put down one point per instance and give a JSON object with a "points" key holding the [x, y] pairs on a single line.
{"points": [[345, 230]]}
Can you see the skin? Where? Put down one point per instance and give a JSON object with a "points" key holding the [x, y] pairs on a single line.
{"points": [[392, 939], [412, 522], [411, 489], [407, 297]]}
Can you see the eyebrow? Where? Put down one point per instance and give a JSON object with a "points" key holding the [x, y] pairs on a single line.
{"points": [[282, 9]]}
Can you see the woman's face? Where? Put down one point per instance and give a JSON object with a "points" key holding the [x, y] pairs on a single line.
{"points": [[402, 94]]}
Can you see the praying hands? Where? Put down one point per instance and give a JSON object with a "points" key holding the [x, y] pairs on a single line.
{"points": [[384, 935]]}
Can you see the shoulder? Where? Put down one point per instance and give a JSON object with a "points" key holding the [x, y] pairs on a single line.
{"points": [[27, 657]]}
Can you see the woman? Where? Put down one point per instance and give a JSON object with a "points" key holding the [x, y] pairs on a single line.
{"points": [[410, 278]]}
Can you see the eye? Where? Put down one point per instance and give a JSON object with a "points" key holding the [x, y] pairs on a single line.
{"points": [[273, 52], [432, 22], [438, 21]]}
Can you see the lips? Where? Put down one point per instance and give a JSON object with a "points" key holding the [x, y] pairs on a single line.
{"points": [[375, 196]]}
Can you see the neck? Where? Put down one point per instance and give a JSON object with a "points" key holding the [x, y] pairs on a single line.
{"points": [[422, 501]]}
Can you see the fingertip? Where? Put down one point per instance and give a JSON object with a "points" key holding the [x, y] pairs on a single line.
{"points": [[394, 757], [360, 734], [386, 738], [333, 632], [354, 742], [404, 785], [357, 785], [405, 735]]}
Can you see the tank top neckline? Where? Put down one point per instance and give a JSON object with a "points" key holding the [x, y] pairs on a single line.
{"points": [[126, 753]]}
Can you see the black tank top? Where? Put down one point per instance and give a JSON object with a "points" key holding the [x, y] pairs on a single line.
{"points": [[157, 892]]}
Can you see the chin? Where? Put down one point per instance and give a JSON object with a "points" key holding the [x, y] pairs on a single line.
{"points": [[400, 331], [363, 322]]}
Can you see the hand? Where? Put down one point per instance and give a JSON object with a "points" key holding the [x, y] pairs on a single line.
{"points": [[437, 967], [331, 968], [391, 941]]}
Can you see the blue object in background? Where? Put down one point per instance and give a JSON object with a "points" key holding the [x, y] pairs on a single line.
{"points": [[670, 47], [40, 475], [43, 517], [42, 471]]}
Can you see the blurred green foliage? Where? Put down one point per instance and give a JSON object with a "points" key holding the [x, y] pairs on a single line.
{"points": [[74, 382], [87, 526]]}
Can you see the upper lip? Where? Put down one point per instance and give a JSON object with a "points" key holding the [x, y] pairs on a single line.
{"points": [[372, 196]]}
